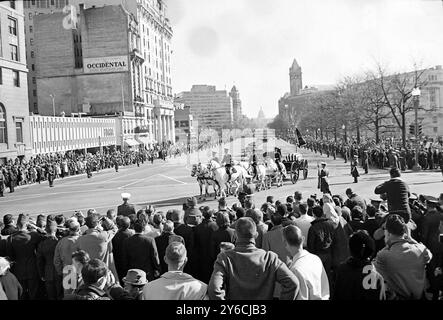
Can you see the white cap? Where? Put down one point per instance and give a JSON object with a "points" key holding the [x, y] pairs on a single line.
{"points": [[126, 196]]}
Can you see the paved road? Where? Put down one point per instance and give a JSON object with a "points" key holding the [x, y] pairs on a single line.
{"points": [[168, 184]]}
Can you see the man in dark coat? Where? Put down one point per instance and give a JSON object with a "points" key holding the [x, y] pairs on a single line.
{"points": [[323, 182], [140, 252], [354, 200], [321, 236], [21, 248], [2, 183], [125, 209], [354, 169], [187, 232], [12, 180], [51, 175], [123, 233], [9, 227], [162, 242], [202, 245]]}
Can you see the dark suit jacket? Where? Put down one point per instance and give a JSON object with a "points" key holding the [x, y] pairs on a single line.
{"points": [[370, 225], [125, 210], [162, 242], [2, 247], [398, 195], [219, 236], [202, 249], [45, 258], [21, 247], [140, 252], [187, 233], [8, 230], [117, 250]]}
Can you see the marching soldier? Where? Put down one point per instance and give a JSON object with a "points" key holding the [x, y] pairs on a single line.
{"points": [[51, 175], [354, 169], [227, 162]]}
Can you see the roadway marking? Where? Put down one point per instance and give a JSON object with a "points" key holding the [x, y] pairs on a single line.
{"points": [[162, 175], [136, 181]]}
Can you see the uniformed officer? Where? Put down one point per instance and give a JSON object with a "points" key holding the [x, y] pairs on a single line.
{"points": [[323, 182], [227, 162], [277, 157], [253, 161], [354, 169], [51, 175]]}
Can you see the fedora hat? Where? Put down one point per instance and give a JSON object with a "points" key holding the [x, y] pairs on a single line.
{"points": [[135, 277]]}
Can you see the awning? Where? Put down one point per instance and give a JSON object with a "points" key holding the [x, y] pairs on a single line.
{"points": [[132, 142]]}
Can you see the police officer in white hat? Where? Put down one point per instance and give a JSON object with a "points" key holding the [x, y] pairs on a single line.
{"points": [[125, 209]]}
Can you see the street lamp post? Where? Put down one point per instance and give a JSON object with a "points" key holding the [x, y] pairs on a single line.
{"points": [[416, 97], [344, 129], [53, 103]]}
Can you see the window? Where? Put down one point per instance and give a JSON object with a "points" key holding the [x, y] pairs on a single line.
{"points": [[33, 67], [16, 77], [434, 119], [31, 42], [34, 81], [32, 54], [30, 16], [12, 26], [1, 76], [31, 29], [14, 55], [12, 4], [2, 124], [19, 131], [52, 2]]}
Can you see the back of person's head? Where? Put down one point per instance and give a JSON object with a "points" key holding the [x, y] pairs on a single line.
{"points": [[317, 211], [394, 172], [297, 195], [139, 226], [142, 217], [222, 202], [310, 202], [361, 245], [207, 213], [176, 254], [336, 202], [132, 218], [169, 214], [270, 199], [111, 214], [41, 221], [276, 219], [80, 218], [245, 228], [303, 208], [223, 220], [93, 271], [255, 215], [395, 225], [168, 226], [80, 256], [293, 236], [92, 221], [141, 212], [282, 210], [60, 219], [73, 225], [22, 221], [289, 199], [357, 213], [157, 219], [123, 223], [371, 211], [264, 207], [8, 219], [240, 213], [346, 213], [277, 203], [177, 215], [349, 191], [91, 212]]}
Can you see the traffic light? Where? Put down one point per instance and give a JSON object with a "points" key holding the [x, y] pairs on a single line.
{"points": [[420, 129], [412, 129]]}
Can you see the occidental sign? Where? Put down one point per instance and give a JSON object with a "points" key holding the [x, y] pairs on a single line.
{"points": [[105, 64]]}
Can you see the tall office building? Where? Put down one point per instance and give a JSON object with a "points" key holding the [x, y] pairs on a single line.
{"points": [[14, 114], [236, 104]]}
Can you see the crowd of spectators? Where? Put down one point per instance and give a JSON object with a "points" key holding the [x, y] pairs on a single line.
{"points": [[326, 248]]}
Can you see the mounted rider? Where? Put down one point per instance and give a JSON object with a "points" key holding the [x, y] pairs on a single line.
{"points": [[277, 157], [254, 161], [227, 162]]}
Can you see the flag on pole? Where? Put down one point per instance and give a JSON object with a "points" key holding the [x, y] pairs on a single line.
{"points": [[301, 141]]}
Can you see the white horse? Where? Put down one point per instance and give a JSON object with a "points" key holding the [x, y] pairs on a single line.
{"points": [[221, 177], [203, 178], [261, 173], [275, 172]]}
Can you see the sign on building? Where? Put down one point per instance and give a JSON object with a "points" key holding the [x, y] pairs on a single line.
{"points": [[105, 64]]}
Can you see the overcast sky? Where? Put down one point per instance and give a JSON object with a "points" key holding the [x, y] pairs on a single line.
{"points": [[252, 43]]}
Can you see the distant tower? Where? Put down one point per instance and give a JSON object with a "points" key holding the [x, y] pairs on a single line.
{"points": [[236, 103], [295, 78], [261, 114]]}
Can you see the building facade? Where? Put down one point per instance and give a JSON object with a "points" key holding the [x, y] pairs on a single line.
{"points": [[14, 114], [236, 104], [186, 129], [108, 60], [61, 134], [210, 107]]}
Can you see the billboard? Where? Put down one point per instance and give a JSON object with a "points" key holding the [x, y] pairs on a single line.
{"points": [[105, 64]]}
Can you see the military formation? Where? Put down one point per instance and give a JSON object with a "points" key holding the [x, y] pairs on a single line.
{"points": [[380, 156]]}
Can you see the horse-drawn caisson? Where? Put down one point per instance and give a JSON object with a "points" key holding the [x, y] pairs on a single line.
{"points": [[263, 173]]}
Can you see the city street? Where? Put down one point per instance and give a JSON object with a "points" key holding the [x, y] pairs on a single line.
{"points": [[167, 185]]}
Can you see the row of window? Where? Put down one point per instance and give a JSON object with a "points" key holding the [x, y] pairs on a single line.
{"points": [[3, 127], [45, 3], [15, 77]]}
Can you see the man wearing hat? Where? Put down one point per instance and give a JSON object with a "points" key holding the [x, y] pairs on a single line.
{"points": [[125, 209], [135, 282], [227, 162], [354, 169], [323, 182]]}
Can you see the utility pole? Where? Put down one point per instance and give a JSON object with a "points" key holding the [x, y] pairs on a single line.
{"points": [[416, 97]]}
